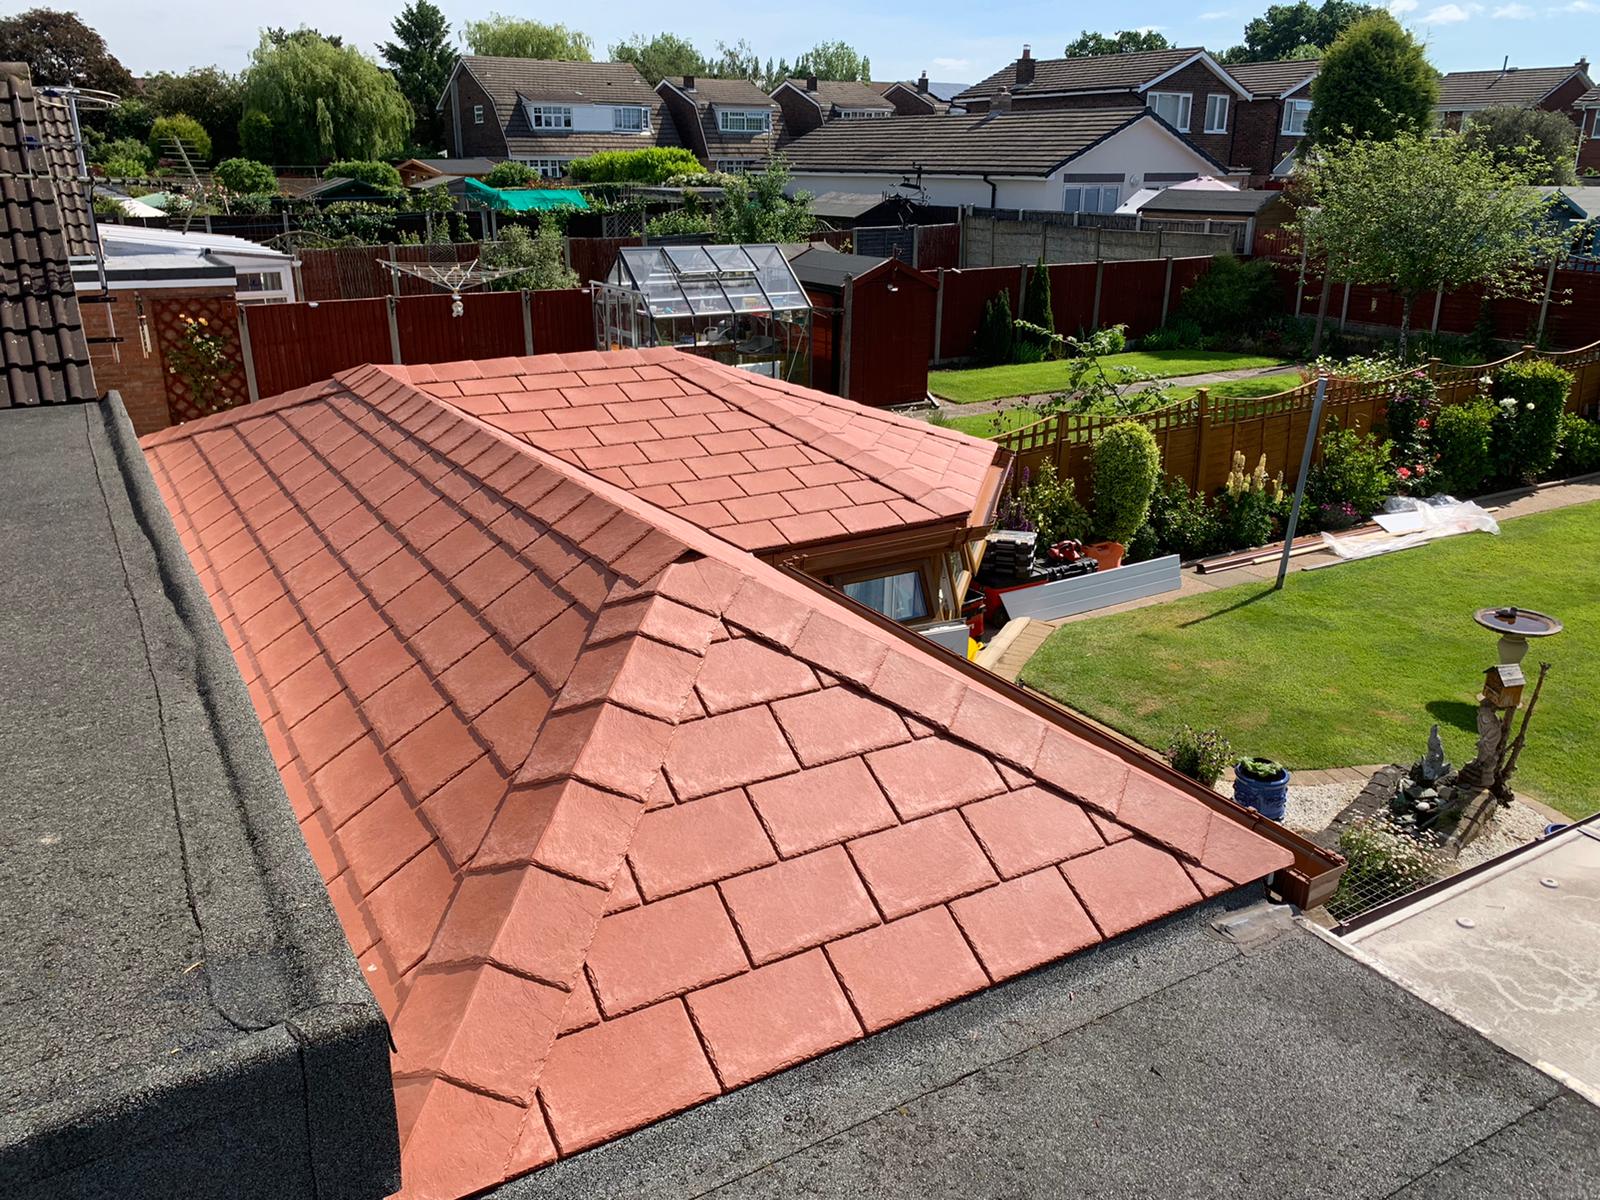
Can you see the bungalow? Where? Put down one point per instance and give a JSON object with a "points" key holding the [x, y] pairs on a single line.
{"points": [[730, 124], [1269, 127], [546, 114], [1188, 89], [919, 99], [1554, 89], [1083, 160], [810, 103]]}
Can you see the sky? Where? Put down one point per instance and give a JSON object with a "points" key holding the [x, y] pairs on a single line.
{"points": [[953, 40]]}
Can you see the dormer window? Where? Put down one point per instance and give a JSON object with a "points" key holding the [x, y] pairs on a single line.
{"points": [[744, 120], [1295, 113], [630, 120], [861, 114], [550, 116], [1173, 108]]}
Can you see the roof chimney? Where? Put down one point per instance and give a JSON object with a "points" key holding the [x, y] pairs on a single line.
{"points": [[811, 82], [922, 83], [1583, 65], [688, 83], [1002, 101], [1025, 66]]}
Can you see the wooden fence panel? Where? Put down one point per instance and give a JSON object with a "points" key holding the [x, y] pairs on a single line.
{"points": [[563, 321], [1130, 294], [490, 326], [292, 345], [592, 258], [938, 246], [1072, 295], [965, 294]]}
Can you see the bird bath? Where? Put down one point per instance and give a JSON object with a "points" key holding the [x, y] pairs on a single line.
{"points": [[1515, 626]]}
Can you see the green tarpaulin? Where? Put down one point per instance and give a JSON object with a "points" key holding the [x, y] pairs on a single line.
{"points": [[525, 199]]}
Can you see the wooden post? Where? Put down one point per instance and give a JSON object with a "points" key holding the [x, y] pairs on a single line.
{"points": [[938, 318], [1099, 276], [1166, 288], [1202, 420], [392, 306], [844, 340], [527, 322]]}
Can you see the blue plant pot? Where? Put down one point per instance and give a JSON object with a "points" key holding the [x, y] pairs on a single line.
{"points": [[1269, 797]]}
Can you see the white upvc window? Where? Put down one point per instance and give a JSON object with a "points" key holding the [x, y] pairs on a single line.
{"points": [[548, 168], [738, 166], [550, 116], [630, 120], [1295, 113], [1090, 199], [1217, 112], [264, 287], [744, 120], [862, 114], [477, 114], [1173, 108]]}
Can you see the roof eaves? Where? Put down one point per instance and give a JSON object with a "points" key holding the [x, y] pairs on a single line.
{"points": [[1200, 56]]}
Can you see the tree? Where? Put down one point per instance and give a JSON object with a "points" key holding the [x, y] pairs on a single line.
{"points": [[1037, 306], [377, 175], [130, 119], [1423, 211], [540, 258], [833, 60], [180, 127], [279, 36], [244, 175], [653, 165], [1126, 41], [1296, 30], [209, 95], [665, 56], [1374, 83], [59, 48], [507, 174], [320, 101], [1544, 143], [754, 209], [738, 61], [516, 37], [421, 58], [124, 158]]}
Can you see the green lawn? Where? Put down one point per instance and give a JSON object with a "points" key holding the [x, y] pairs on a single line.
{"points": [[1351, 665], [988, 425], [1034, 379]]}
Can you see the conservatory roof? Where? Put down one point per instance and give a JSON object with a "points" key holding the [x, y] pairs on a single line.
{"points": [[709, 281]]}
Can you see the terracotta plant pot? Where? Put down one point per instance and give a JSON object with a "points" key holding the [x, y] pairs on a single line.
{"points": [[1107, 554]]}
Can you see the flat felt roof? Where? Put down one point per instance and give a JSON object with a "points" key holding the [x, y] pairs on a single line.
{"points": [[163, 925], [617, 816], [1166, 1063]]}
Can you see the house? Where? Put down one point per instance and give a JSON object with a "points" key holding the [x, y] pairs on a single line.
{"points": [[1269, 127], [1587, 106], [1258, 210], [730, 124], [920, 98], [618, 816], [1188, 89], [1554, 89], [546, 114], [810, 103], [1071, 160]]}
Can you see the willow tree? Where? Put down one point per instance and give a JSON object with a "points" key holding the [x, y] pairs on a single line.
{"points": [[1424, 212], [321, 101]]}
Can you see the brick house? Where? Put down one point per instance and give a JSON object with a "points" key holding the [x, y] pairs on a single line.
{"points": [[915, 99], [1188, 89], [546, 114], [729, 124], [811, 103], [1269, 127], [1587, 107], [1554, 89]]}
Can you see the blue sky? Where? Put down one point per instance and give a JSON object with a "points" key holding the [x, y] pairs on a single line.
{"points": [[953, 40]]}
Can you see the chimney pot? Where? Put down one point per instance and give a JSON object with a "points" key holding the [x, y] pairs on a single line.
{"points": [[811, 83], [1583, 65], [922, 84], [688, 83]]}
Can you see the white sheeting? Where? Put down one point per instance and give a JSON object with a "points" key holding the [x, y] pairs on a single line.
{"points": [[1407, 521]]}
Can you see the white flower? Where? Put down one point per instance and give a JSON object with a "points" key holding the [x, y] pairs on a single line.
{"points": [[1529, 406], [1508, 404]]}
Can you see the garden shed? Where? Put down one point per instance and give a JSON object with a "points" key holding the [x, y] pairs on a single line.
{"points": [[738, 305]]}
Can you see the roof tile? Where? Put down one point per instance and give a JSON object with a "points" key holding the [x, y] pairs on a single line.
{"points": [[798, 904], [1101, 882], [837, 722], [927, 778], [910, 867], [1024, 830], [1024, 923], [906, 967], [822, 806], [700, 841], [661, 949], [727, 751]]}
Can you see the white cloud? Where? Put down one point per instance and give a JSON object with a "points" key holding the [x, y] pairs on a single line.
{"points": [[1581, 6], [1150, 29], [1514, 12], [1449, 14], [1400, 7], [1221, 14], [952, 64]]}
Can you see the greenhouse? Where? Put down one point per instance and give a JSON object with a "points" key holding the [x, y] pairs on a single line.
{"points": [[740, 305]]}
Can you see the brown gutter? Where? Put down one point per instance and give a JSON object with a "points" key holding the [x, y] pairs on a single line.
{"points": [[1308, 883]]}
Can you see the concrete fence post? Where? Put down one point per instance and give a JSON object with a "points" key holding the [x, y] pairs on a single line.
{"points": [[1097, 232], [938, 318], [1099, 278], [1544, 305], [1166, 291], [394, 276], [1438, 307], [1344, 304], [247, 352], [392, 308], [527, 322]]}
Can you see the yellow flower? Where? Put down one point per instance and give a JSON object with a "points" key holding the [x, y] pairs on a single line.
{"points": [[203, 321]]}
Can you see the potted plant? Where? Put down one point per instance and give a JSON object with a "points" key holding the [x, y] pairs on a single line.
{"points": [[1262, 784], [1127, 463]]}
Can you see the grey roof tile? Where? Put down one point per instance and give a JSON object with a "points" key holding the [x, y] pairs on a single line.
{"points": [[1522, 87], [1268, 79], [1090, 73]]}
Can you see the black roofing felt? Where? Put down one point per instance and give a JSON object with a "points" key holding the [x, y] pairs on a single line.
{"points": [[1212, 200], [829, 268], [1168, 1063], [179, 1012]]}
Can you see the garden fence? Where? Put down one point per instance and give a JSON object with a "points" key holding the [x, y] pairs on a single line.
{"points": [[1199, 437]]}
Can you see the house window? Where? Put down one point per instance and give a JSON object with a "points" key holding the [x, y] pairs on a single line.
{"points": [[1295, 113], [900, 597], [548, 168], [744, 120], [738, 166], [861, 114], [1173, 108], [630, 120], [1090, 199], [550, 116], [262, 287], [477, 114], [1217, 113]]}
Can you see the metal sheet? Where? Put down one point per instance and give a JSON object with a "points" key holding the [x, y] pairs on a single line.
{"points": [[1066, 597]]}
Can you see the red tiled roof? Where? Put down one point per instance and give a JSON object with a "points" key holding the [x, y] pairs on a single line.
{"points": [[616, 816], [762, 463]]}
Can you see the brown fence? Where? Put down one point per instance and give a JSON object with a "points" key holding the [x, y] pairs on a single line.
{"points": [[292, 345], [1199, 437], [357, 273]]}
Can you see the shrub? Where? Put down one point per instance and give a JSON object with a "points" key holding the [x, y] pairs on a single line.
{"points": [[1233, 295], [1355, 468], [257, 137], [1037, 307], [1201, 754], [1413, 403], [1180, 521], [244, 175], [1531, 397], [379, 175], [653, 166], [1113, 339], [1127, 464], [125, 158], [1174, 335], [1384, 863], [539, 256], [180, 127], [1246, 505], [1462, 441], [510, 175], [1580, 446], [1035, 343], [680, 221], [994, 343], [1051, 506]]}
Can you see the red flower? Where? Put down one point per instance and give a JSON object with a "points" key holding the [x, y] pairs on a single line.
{"points": [[1405, 472], [1423, 423]]}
